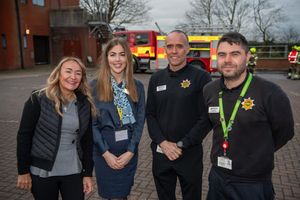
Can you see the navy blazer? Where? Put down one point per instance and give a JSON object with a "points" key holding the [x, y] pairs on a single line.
{"points": [[109, 120]]}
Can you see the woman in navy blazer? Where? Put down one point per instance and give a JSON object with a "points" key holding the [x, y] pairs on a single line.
{"points": [[120, 100]]}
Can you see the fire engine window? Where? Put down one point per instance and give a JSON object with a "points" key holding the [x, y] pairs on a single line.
{"points": [[124, 36], [3, 41], [142, 38], [38, 2], [196, 54], [205, 54]]}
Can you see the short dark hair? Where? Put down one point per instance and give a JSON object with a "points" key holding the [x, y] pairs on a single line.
{"points": [[235, 38]]}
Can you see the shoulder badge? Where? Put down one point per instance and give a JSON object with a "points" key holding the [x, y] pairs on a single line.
{"points": [[185, 83], [248, 104]]}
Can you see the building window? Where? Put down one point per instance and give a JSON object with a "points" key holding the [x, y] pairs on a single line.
{"points": [[23, 1], [3, 41], [25, 41], [38, 2]]}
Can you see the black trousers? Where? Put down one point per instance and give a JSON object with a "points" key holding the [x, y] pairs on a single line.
{"points": [[220, 189], [188, 168], [70, 187]]}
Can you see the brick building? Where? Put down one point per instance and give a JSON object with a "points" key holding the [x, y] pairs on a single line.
{"points": [[37, 32]]}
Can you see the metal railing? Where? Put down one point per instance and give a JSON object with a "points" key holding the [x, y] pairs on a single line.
{"points": [[271, 51]]}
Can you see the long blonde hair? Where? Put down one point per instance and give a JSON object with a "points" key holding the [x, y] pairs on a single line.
{"points": [[53, 91], [104, 87]]}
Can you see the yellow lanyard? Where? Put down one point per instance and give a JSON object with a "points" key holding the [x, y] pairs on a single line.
{"points": [[120, 113]]}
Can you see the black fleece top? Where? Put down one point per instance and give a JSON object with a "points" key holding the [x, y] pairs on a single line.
{"points": [[175, 108], [260, 128]]}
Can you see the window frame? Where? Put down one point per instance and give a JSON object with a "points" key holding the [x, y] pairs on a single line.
{"points": [[3, 41], [38, 2]]}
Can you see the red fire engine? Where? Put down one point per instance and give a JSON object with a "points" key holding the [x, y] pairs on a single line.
{"points": [[147, 46], [143, 47]]}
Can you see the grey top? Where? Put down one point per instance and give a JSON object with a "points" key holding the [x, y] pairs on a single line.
{"points": [[67, 161]]}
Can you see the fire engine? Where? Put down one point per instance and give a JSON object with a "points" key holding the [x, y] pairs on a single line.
{"points": [[147, 47], [142, 44]]}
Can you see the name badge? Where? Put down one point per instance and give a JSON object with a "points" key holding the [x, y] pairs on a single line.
{"points": [[121, 135], [161, 88], [224, 162], [158, 149], [214, 109]]}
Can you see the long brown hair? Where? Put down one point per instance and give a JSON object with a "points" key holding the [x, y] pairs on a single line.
{"points": [[54, 93], [104, 87]]}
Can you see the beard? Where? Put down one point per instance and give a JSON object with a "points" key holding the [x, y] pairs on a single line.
{"points": [[234, 74]]}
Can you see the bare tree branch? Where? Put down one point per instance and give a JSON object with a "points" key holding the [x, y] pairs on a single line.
{"points": [[225, 14], [266, 18], [290, 35], [118, 12], [200, 15], [232, 13]]}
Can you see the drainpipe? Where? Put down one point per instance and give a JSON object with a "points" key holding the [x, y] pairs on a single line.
{"points": [[19, 33]]}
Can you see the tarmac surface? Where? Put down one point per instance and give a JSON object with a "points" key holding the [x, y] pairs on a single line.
{"points": [[16, 85]]}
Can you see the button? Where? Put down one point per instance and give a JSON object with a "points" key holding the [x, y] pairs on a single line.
{"points": [[73, 141]]}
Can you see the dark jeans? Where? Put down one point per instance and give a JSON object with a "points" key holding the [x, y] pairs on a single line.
{"points": [[221, 189], [70, 187]]}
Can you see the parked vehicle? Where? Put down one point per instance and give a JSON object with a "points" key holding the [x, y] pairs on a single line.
{"points": [[147, 47]]}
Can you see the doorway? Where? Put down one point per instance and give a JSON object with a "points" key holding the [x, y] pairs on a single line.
{"points": [[41, 49]]}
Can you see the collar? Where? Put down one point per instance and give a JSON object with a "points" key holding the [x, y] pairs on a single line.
{"points": [[178, 72], [79, 95], [224, 88]]}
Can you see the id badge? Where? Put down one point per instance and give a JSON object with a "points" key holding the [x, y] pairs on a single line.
{"points": [[214, 109], [161, 88], [158, 149], [121, 135], [224, 162]]}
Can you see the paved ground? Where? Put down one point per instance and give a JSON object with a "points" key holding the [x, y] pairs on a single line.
{"points": [[15, 87]]}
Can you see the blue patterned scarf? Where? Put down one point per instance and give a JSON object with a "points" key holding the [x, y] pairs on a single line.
{"points": [[122, 103]]}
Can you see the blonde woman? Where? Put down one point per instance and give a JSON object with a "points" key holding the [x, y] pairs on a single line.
{"points": [[120, 99], [54, 142]]}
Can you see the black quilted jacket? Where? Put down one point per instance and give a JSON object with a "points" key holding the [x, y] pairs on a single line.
{"points": [[40, 130]]}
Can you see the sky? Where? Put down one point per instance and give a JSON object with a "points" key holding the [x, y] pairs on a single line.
{"points": [[168, 13]]}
